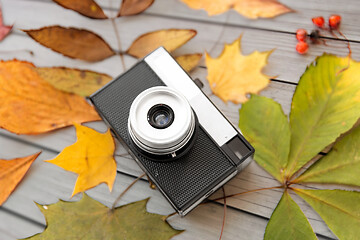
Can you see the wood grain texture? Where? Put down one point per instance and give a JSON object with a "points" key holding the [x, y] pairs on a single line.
{"points": [[253, 177], [284, 62], [46, 183], [287, 23], [300, 18]]}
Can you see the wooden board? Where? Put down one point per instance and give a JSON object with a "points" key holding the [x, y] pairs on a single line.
{"points": [[248, 214]]}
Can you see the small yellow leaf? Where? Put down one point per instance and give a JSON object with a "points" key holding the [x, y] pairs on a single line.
{"points": [[232, 75], [170, 39], [248, 8], [189, 61], [91, 157]]}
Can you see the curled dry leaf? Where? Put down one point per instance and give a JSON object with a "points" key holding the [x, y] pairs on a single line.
{"points": [[73, 42], [81, 82], [170, 39], [248, 8], [189, 61], [30, 105], [89, 219], [4, 30], [133, 7], [91, 157], [12, 172], [232, 75], [88, 8]]}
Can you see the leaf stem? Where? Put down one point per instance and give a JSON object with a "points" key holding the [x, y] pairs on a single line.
{"points": [[221, 33], [127, 189], [224, 217], [170, 215], [19, 50], [121, 54], [241, 193], [345, 38]]}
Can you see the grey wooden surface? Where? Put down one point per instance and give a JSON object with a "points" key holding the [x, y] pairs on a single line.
{"points": [[247, 215]]}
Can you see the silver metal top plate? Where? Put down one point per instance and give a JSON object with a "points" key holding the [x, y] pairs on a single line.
{"points": [[174, 77]]}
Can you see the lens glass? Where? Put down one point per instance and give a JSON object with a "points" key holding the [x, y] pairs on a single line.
{"points": [[160, 116]]}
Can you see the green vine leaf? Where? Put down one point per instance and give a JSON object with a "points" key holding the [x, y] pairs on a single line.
{"points": [[341, 165], [288, 221], [326, 103], [89, 219], [338, 208], [271, 150]]}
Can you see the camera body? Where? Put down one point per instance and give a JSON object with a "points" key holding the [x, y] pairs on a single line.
{"points": [[174, 132]]}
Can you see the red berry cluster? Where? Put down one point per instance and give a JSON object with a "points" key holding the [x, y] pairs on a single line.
{"points": [[301, 35]]}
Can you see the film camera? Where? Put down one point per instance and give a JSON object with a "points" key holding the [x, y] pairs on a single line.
{"points": [[174, 132]]}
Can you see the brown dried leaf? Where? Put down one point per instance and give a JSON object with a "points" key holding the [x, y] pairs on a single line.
{"points": [[189, 61], [30, 105], [81, 82], [72, 42], [133, 7], [170, 39], [88, 8]]}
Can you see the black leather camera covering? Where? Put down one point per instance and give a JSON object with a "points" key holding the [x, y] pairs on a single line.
{"points": [[184, 180]]}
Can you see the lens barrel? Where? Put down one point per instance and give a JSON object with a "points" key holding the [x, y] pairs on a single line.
{"points": [[160, 116], [161, 123]]}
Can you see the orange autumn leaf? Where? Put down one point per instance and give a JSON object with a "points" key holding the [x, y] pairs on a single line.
{"points": [[232, 75], [248, 8], [91, 157], [133, 7], [170, 39], [30, 105], [12, 172], [88, 8], [72, 42], [189, 61]]}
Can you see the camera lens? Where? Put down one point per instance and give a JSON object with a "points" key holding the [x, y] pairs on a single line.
{"points": [[153, 127], [160, 116]]}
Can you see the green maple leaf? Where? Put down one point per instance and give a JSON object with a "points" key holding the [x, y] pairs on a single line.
{"points": [[89, 219], [326, 104]]}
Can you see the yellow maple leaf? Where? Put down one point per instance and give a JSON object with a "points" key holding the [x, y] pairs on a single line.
{"points": [[248, 8], [232, 75], [91, 157]]}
